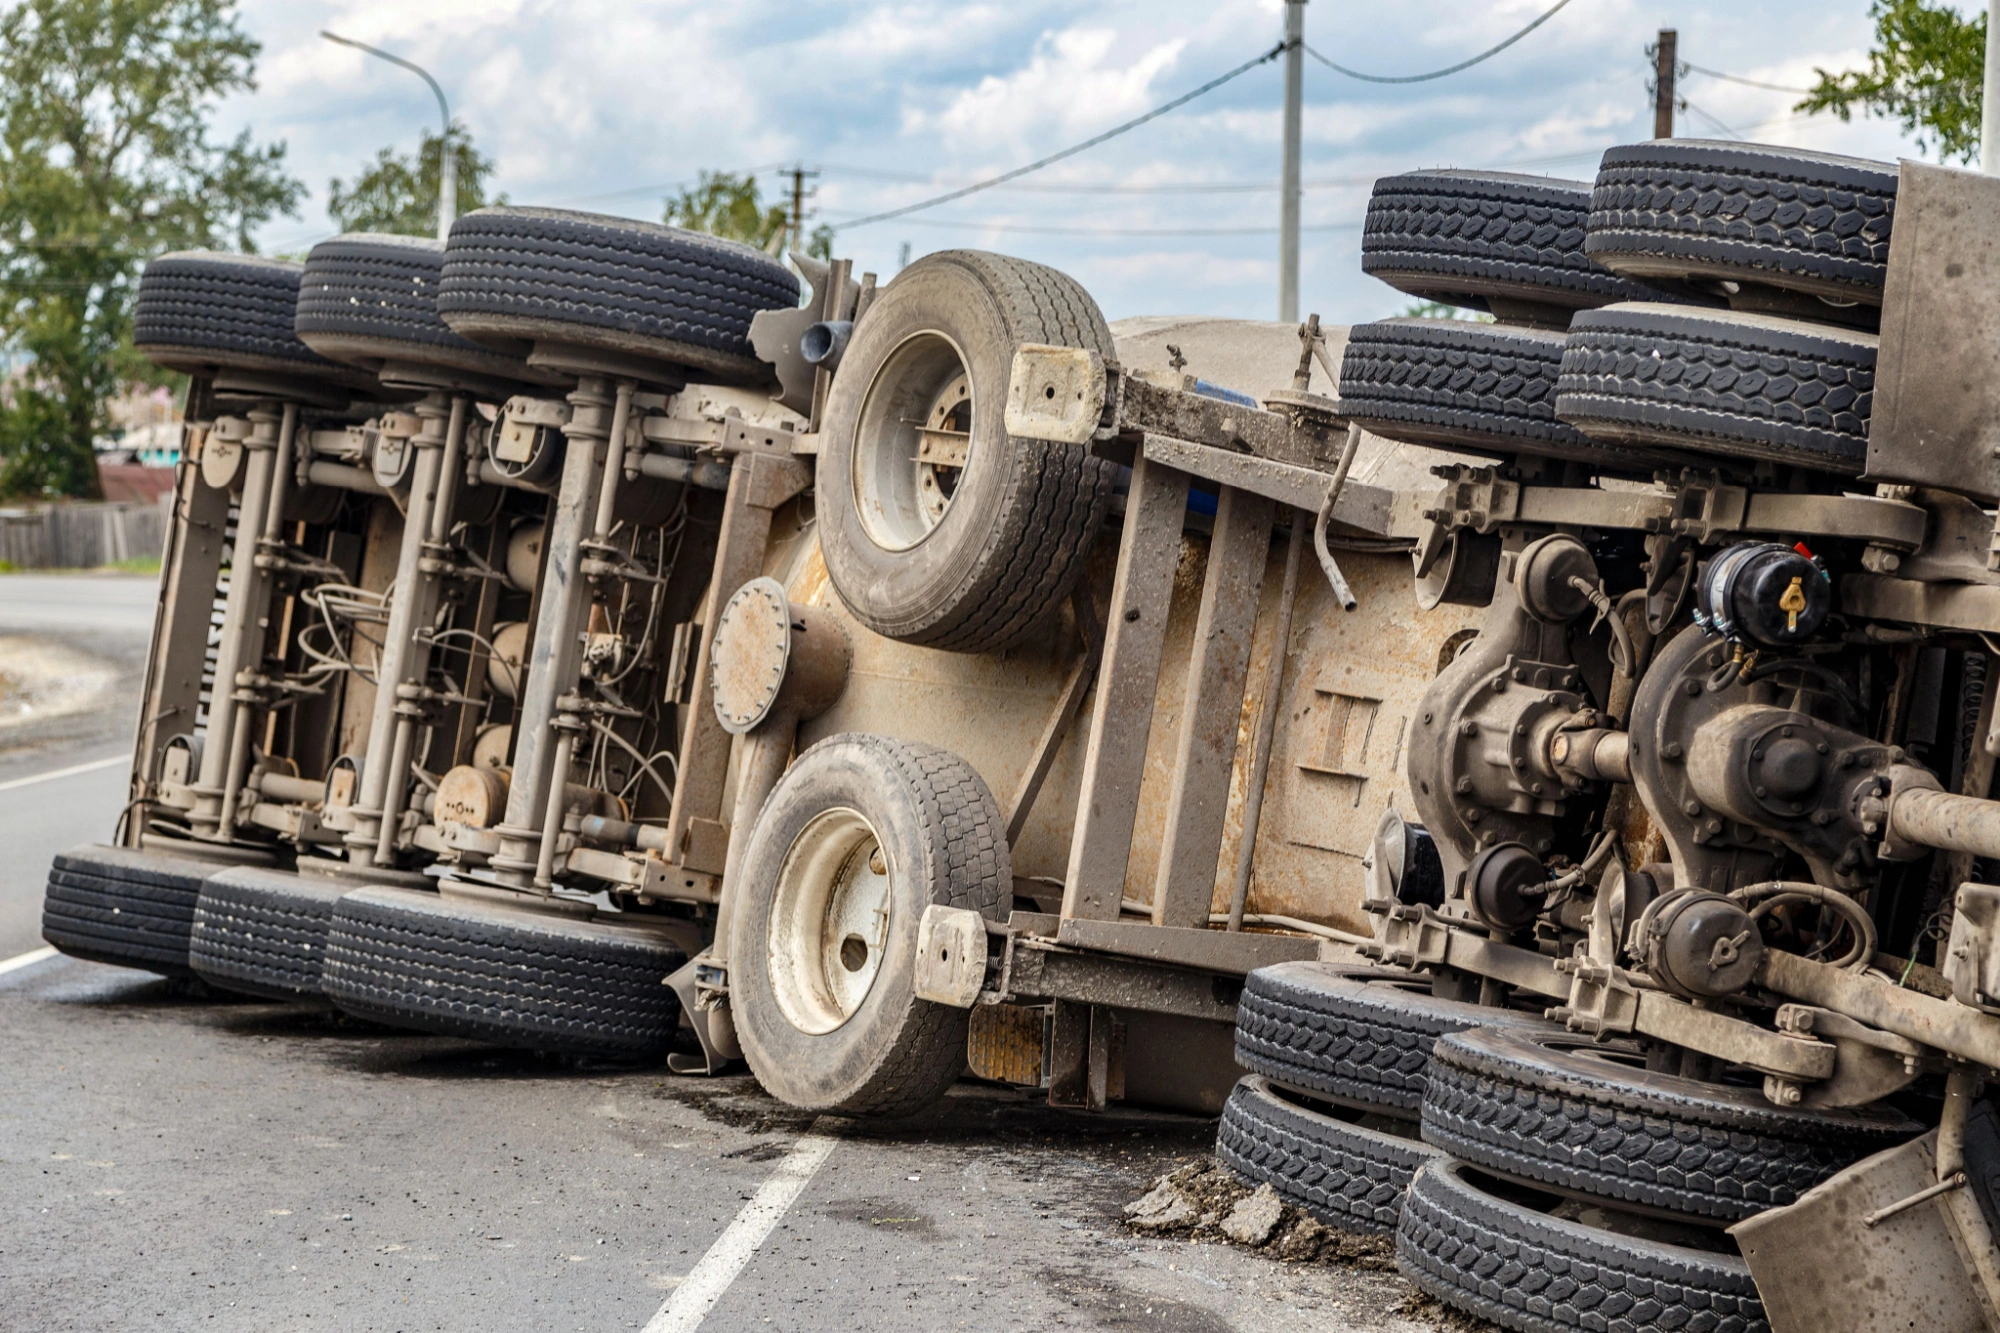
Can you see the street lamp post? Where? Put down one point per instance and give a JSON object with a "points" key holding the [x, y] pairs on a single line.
{"points": [[447, 159]]}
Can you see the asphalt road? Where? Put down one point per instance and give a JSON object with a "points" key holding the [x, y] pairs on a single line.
{"points": [[171, 1160]]}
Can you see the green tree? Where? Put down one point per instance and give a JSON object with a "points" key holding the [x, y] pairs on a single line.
{"points": [[399, 194], [106, 160], [1439, 310], [726, 204], [1927, 69]]}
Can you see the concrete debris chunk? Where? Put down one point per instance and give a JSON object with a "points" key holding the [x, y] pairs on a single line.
{"points": [[1161, 1210], [1254, 1218]]}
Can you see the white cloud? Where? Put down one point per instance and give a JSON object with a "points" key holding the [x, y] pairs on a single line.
{"points": [[589, 102]]}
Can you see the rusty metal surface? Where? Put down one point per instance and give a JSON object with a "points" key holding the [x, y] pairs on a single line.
{"points": [[1943, 1024], [1153, 409], [188, 577], [1205, 749], [1818, 1268], [1219, 950], [699, 793], [1124, 983], [1930, 818], [1127, 686], [1969, 606], [1936, 416]]}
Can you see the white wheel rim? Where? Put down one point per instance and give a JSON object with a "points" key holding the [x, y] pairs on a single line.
{"points": [[913, 441], [830, 921]]}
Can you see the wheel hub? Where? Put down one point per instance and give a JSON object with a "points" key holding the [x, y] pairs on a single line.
{"points": [[830, 921]]}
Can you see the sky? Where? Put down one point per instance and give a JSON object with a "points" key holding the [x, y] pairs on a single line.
{"points": [[611, 105]]}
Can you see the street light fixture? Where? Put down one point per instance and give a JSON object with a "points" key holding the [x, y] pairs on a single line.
{"points": [[447, 159]]}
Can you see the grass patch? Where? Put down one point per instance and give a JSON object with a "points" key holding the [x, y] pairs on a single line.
{"points": [[144, 564]]}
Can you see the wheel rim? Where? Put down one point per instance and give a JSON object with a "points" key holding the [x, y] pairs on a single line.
{"points": [[913, 441], [830, 921]]}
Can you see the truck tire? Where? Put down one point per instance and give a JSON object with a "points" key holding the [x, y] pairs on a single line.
{"points": [[263, 932], [366, 298], [516, 275], [1698, 211], [502, 975], [1586, 1119], [1358, 1037], [967, 558], [199, 312], [860, 835], [1486, 387], [1503, 1260], [1343, 1174], [1477, 238], [1720, 383], [115, 905]]}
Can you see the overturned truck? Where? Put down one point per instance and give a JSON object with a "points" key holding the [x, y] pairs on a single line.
{"points": [[1552, 754]]}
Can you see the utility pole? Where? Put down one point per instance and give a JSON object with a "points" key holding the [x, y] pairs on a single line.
{"points": [[447, 158], [1288, 223], [1989, 105], [799, 175], [1663, 85]]}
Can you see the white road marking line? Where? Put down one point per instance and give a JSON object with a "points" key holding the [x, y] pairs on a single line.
{"points": [[28, 959], [701, 1289], [90, 767]]}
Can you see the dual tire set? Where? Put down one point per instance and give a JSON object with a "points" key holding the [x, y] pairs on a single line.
{"points": [[403, 957], [1528, 1176], [379, 319], [1700, 304]]}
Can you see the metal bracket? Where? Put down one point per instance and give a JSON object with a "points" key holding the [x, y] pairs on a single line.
{"points": [[1474, 497], [1056, 393], [1412, 936], [1602, 1001]]}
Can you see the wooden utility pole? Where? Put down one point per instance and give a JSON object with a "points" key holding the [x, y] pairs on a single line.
{"points": [[799, 175], [1663, 85]]}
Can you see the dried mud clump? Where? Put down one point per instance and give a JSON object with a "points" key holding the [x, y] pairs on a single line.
{"points": [[1205, 1201]]}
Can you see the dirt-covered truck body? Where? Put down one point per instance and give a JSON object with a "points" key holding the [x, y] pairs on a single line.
{"points": [[1554, 754]]}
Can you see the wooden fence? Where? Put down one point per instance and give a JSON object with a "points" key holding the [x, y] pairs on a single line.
{"points": [[83, 536]]}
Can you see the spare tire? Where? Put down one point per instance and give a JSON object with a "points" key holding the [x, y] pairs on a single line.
{"points": [[200, 312], [1489, 240], [1345, 1174], [263, 932], [1501, 1256], [129, 908], [504, 975], [1360, 1037], [860, 836], [1461, 385], [513, 276], [1584, 1118], [969, 547], [1703, 211], [1720, 383], [367, 298]]}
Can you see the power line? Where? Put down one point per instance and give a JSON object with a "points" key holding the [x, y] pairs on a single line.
{"points": [[1072, 151], [978, 224], [1438, 73], [1710, 119], [1750, 83]]}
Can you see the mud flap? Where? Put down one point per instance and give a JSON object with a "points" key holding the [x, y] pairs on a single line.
{"points": [[701, 986], [1818, 1265]]}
